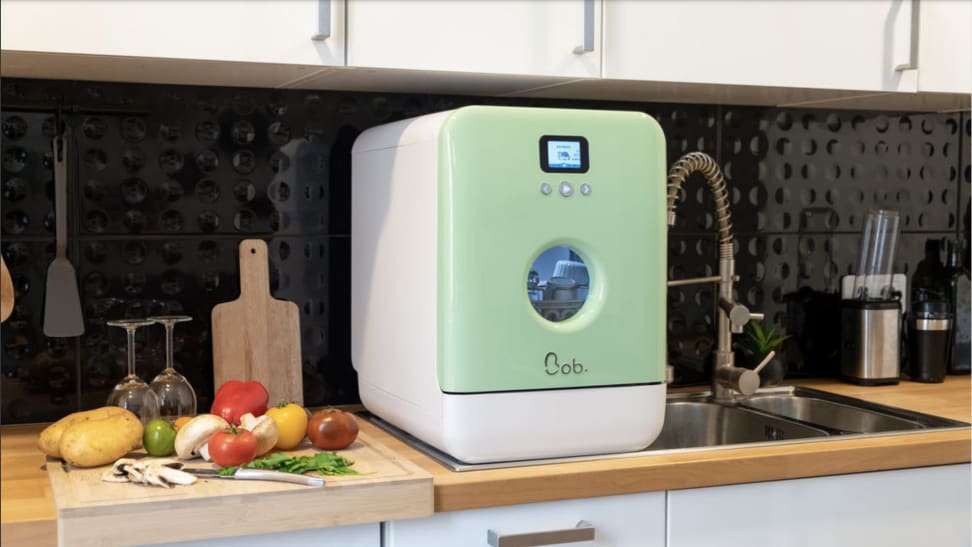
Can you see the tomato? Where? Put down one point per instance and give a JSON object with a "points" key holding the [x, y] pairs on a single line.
{"points": [[158, 438], [291, 420], [232, 447], [332, 429]]}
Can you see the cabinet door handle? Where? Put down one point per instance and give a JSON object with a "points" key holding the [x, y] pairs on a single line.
{"points": [[912, 63], [588, 29], [323, 20], [584, 531]]}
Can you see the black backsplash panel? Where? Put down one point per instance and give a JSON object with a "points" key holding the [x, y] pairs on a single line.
{"points": [[166, 180]]}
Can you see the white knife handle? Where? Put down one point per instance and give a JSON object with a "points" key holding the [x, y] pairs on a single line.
{"points": [[280, 476]]}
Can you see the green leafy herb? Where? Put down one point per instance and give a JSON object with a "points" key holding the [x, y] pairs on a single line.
{"points": [[325, 463], [760, 341]]}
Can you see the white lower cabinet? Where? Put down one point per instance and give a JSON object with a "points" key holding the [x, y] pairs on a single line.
{"points": [[618, 521], [923, 506], [362, 535]]}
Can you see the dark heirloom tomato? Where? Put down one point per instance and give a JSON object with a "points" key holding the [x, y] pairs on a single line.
{"points": [[332, 429]]}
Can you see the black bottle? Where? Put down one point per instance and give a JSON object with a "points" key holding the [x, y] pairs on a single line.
{"points": [[930, 278], [957, 294]]}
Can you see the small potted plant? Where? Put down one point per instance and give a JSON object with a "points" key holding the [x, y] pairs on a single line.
{"points": [[755, 343]]}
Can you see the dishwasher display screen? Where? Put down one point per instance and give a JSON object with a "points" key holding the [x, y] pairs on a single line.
{"points": [[563, 154]]}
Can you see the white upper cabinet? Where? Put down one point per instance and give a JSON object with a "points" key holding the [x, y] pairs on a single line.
{"points": [[851, 45], [278, 31], [945, 46], [899, 53], [525, 37]]}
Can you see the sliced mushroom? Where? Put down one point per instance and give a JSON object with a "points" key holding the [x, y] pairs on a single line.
{"points": [[174, 476], [167, 462], [152, 477], [135, 474], [110, 476], [118, 468], [164, 473]]}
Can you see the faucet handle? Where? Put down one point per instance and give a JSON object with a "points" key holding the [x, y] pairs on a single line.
{"points": [[748, 380], [766, 360], [738, 314]]}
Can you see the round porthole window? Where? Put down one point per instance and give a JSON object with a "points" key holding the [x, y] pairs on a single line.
{"points": [[558, 283]]}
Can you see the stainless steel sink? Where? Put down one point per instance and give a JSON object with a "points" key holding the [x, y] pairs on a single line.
{"points": [[833, 415], [843, 415], [694, 423], [771, 416]]}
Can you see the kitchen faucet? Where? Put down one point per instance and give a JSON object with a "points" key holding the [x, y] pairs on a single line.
{"points": [[727, 378]]}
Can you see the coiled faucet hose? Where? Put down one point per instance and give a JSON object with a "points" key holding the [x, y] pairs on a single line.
{"points": [[703, 163]]}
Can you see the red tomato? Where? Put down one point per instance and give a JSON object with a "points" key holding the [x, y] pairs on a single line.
{"points": [[332, 429], [232, 447]]}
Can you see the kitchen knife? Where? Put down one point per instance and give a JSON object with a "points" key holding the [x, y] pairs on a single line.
{"points": [[244, 473]]}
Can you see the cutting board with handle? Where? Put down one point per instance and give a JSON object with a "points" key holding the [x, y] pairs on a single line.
{"points": [[256, 336], [93, 512], [6, 292]]}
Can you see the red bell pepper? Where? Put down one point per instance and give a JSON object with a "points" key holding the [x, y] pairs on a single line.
{"points": [[236, 398]]}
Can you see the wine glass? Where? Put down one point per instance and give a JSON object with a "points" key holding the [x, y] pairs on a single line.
{"points": [[132, 392], [176, 396]]}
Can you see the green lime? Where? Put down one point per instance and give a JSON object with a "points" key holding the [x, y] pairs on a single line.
{"points": [[159, 438]]}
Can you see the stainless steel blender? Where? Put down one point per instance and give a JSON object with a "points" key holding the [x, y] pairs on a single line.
{"points": [[870, 352]]}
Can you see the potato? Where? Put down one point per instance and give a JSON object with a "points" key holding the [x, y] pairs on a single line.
{"points": [[51, 436], [99, 442]]}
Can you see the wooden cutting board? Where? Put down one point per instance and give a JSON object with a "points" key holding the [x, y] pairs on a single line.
{"points": [[256, 336], [93, 512]]}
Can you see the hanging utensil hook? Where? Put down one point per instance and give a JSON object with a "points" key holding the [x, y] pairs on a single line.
{"points": [[58, 135]]}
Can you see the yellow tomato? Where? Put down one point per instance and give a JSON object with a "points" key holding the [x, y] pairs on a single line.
{"points": [[291, 420]]}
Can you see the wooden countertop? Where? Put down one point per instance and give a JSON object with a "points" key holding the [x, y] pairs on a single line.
{"points": [[27, 511]]}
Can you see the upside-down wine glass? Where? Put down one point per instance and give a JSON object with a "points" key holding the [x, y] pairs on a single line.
{"points": [[132, 392], [175, 393]]}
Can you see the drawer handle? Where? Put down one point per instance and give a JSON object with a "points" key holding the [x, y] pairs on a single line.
{"points": [[323, 20], [584, 531]]}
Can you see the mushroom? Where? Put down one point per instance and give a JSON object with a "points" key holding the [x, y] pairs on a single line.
{"points": [[153, 477], [174, 476], [109, 476], [196, 433], [167, 462], [204, 452], [135, 473], [164, 473], [263, 428], [118, 468]]}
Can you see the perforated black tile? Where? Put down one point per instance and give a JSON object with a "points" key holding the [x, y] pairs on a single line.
{"points": [[28, 183], [39, 381], [846, 161], [168, 179], [965, 166]]}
